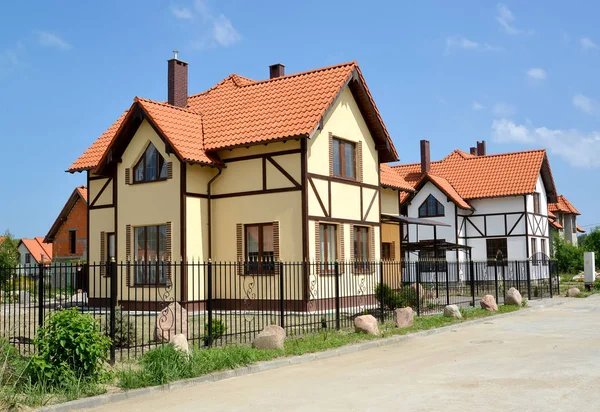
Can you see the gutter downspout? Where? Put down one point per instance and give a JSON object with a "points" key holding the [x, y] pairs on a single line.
{"points": [[208, 193]]}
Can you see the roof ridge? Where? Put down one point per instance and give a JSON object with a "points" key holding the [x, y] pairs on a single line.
{"points": [[163, 104], [506, 154]]}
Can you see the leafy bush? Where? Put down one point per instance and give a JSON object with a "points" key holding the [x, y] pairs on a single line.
{"points": [[124, 332], [524, 303], [70, 347], [597, 284], [408, 297], [218, 328], [569, 256], [391, 300]]}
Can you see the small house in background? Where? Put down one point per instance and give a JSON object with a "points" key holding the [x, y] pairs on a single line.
{"points": [[563, 219], [68, 234], [33, 252]]}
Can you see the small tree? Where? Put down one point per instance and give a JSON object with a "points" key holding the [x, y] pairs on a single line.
{"points": [[591, 243], [9, 256], [568, 256]]}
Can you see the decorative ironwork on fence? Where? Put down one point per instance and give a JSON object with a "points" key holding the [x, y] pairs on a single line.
{"points": [[217, 303]]}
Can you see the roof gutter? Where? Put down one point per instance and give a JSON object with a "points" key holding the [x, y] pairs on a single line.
{"points": [[208, 194]]}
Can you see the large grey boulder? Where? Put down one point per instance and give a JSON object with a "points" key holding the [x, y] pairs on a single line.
{"points": [[488, 302], [180, 342], [513, 297], [171, 321], [366, 324], [404, 317], [271, 337], [452, 311], [572, 292]]}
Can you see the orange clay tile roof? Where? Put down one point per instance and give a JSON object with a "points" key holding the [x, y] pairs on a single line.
{"points": [[580, 229], [556, 224], [2, 239], [239, 111], [563, 205], [79, 193], [40, 251], [475, 177], [393, 180], [445, 187], [550, 214]]}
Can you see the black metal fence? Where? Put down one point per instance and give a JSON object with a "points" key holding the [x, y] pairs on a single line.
{"points": [[140, 305]]}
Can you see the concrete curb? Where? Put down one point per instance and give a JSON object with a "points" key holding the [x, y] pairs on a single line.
{"points": [[100, 400]]}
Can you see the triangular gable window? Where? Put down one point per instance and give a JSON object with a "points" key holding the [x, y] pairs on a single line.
{"points": [[431, 208], [151, 167]]}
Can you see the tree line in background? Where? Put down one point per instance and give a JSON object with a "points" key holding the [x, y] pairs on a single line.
{"points": [[9, 255], [570, 257]]}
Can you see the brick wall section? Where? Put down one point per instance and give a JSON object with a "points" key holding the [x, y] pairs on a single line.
{"points": [[61, 247]]}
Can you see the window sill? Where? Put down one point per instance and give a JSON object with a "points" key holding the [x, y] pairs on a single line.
{"points": [[345, 178], [149, 181]]}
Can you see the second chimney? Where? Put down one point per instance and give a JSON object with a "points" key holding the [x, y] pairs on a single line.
{"points": [[178, 81], [481, 148], [425, 156], [474, 151], [276, 70]]}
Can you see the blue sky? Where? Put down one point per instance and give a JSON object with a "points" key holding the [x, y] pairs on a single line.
{"points": [[520, 75]]}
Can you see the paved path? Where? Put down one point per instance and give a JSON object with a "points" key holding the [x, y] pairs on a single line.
{"points": [[536, 360]]}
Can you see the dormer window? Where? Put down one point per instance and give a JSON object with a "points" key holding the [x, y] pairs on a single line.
{"points": [[431, 207], [151, 166]]}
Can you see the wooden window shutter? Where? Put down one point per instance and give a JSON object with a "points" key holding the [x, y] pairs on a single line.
{"points": [[103, 253], [342, 254], [359, 162], [276, 246], [169, 170], [128, 176], [239, 234], [393, 252], [168, 249], [352, 257], [372, 248], [317, 247], [128, 252], [330, 154]]}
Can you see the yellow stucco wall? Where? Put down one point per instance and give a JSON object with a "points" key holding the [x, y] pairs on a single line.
{"points": [[390, 203]]}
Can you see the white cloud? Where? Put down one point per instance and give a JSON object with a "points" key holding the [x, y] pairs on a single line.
{"points": [[223, 32], [587, 43], [462, 43], [536, 73], [504, 110], [11, 58], [52, 40], [579, 149], [586, 104], [182, 13], [507, 19], [477, 106]]}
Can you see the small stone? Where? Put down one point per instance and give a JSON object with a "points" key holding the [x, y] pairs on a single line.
{"points": [[171, 321], [452, 311], [366, 324], [180, 342], [271, 337], [513, 297], [488, 302], [404, 317], [572, 292]]}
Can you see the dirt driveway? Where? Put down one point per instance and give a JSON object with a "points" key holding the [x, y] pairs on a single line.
{"points": [[542, 359]]}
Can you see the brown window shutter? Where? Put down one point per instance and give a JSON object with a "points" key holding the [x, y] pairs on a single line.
{"points": [[352, 257], [128, 176], [393, 252], [276, 246], [359, 162], [169, 170], [342, 254], [168, 253], [239, 234], [128, 252], [103, 253], [330, 154], [372, 248], [317, 247]]}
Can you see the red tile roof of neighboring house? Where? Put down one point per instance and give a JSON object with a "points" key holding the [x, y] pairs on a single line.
{"points": [[445, 187], [580, 229], [476, 177], [563, 205], [79, 193], [393, 180], [550, 214], [2, 239], [40, 251], [241, 112], [555, 224]]}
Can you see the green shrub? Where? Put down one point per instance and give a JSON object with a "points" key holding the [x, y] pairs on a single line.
{"points": [[524, 302], [408, 297], [70, 347], [218, 328], [391, 300], [124, 332], [597, 284]]}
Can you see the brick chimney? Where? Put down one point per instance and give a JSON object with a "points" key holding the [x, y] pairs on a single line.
{"points": [[481, 148], [474, 151], [178, 81], [276, 70], [425, 157]]}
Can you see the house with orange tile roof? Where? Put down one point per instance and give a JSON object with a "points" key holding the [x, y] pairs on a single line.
{"points": [[563, 219], [68, 234], [33, 252], [281, 169], [488, 206]]}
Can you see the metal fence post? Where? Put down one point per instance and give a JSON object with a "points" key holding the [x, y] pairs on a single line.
{"points": [[472, 268], [112, 274], [381, 294], [448, 283], [528, 280], [336, 266], [496, 278], [418, 280], [41, 294], [550, 278], [209, 304], [281, 297]]}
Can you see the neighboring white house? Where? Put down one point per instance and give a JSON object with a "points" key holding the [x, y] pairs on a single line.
{"points": [[494, 207], [563, 219], [32, 252]]}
